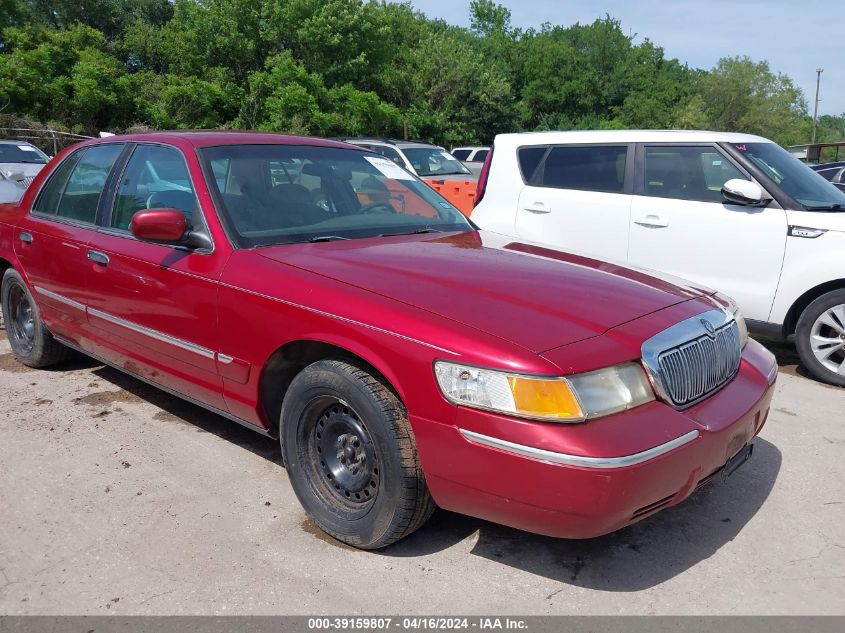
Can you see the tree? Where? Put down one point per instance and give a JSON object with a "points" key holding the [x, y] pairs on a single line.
{"points": [[362, 67], [345, 41], [110, 17], [745, 96], [487, 17]]}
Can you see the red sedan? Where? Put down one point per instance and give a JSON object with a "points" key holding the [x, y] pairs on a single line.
{"points": [[319, 293]]}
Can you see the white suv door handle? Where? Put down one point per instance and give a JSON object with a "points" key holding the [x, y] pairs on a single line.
{"points": [[652, 220], [537, 207]]}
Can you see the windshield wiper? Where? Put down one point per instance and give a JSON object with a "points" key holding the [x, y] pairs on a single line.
{"points": [[327, 238], [826, 207], [417, 232]]}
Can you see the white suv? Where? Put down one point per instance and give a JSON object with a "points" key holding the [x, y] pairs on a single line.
{"points": [[732, 211]]}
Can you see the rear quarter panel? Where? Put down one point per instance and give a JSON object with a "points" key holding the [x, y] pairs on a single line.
{"points": [[8, 218], [497, 210]]}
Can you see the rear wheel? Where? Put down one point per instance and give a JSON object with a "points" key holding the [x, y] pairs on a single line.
{"points": [[820, 337], [31, 342], [351, 456]]}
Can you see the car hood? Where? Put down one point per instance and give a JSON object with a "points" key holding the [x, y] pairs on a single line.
{"points": [[27, 169], [534, 297]]}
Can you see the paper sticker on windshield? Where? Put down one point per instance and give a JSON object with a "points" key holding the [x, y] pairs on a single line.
{"points": [[27, 148], [446, 155], [388, 168]]}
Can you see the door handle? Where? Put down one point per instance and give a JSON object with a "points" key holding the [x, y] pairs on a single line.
{"points": [[652, 220], [537, 207], [98, 258], [25, 237]]}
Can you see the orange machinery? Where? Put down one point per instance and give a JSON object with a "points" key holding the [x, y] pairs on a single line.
{"points": [[460, 193]]}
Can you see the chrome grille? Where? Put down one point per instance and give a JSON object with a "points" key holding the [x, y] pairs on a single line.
{"points": [[699, 367], [694, 358], [27, 181]]}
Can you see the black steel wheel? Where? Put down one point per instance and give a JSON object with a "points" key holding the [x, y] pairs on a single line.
{"points": [[31, 342], [21, 322], [351, 456], [342, 456]]}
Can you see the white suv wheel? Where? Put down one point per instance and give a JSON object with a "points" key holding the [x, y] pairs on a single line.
{"points": [[827, 339], [820, 337]]}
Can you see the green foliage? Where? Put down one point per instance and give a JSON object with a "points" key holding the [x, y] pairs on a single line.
{"points": [[740, 94], [335, 67], [489, 18]]}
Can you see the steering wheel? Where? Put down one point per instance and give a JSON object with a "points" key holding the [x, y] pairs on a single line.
{"points": [[384, 207]]}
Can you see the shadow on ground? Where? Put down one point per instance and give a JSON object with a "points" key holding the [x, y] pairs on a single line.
{"points": [[635, 558], [179, 411], [788, 360]]}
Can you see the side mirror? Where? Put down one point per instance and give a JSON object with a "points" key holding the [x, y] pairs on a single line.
{"points": [[15, 176], [159, 225], [744, 192]]}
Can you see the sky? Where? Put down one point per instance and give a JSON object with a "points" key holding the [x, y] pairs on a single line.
{"points": [[794, 36]]}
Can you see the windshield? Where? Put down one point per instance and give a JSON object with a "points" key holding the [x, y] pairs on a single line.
{"points": [[797, 180], [434, 161], [283, 194], [21, 153]]}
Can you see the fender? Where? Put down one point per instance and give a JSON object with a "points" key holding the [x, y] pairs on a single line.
{"points": [[808, 264]]}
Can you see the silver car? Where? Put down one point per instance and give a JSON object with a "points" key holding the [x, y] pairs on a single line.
{"points": [[20, 162]]}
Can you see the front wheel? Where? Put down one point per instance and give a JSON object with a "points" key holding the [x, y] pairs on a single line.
{"points": [[31, 342], [820, 337], [351, 456]]}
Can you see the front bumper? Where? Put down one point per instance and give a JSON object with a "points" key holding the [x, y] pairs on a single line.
{"points": [[585, 480]]}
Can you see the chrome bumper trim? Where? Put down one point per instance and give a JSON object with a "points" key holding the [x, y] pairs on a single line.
{"points": [[578, 460]]}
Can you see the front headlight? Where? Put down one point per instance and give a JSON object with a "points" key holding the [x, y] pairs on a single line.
{"points": [[571, 399], [730, 305]]}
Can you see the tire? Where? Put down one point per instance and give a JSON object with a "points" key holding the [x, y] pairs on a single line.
{"points": [[351, 457], [31, 342], [820, 337]]}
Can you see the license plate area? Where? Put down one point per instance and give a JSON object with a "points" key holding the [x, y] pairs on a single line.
{"points": [[737, 460]]}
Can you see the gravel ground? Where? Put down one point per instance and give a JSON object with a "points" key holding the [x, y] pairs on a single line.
{"points": [[116, 498]]}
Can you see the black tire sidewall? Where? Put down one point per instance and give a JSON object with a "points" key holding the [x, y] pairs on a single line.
{"points": [[360, 529], [804, 330], [32, 358]]}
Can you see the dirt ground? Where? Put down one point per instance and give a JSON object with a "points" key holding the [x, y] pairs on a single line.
{"points": [[116, 498]]}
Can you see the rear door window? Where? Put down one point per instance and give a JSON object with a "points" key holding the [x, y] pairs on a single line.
{"points": [[529, 160], [81, 195], [48, 200], [590, 168], [480, 156]]}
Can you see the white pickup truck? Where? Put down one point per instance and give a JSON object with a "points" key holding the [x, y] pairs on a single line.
{"points": [[732, 211]]}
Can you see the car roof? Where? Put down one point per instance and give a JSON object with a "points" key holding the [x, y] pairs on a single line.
{"points": [[211, 138], [627, 136], [11, 141], [392, 142]]}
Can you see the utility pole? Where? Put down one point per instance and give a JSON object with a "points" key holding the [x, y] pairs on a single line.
{"points": [[816, 109]]}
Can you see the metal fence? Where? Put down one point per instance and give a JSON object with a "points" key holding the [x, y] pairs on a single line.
{"points": [[47, 140]]}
